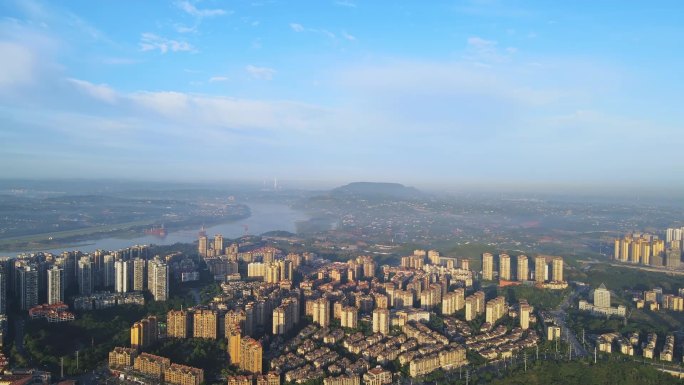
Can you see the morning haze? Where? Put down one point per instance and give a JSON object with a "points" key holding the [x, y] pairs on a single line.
{"points": [[341, 192]]}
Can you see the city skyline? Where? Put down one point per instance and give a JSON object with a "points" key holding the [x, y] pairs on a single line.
{"points": [[475, 92]]}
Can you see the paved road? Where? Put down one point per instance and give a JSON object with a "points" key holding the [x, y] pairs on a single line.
{"points": [[560, 316]]}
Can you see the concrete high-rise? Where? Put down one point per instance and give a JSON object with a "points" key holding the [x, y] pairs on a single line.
{"points": [[523, 268], [27, 282], [283, 321], [178, 324], [139, 270], [205, 324], [602, 297], [540, 269], [85, 276], [108, 274], [525, 310], [122, 274], [321, 312], [470, 308], [158, 279], [487, 266], [349, 317], [381, 321], [144, 332], [251, 355], [218, 244], [504, 267], [55, 285], [203, 246], [557, 270], [234, 339]]}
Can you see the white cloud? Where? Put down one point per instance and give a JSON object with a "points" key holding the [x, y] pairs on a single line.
{"points": [[261, 73], [297, 27], [16, 66], [192, 10], [166, 103], [215, 79], [487, 52], [348, 36], [480, 43], [300, 28], [184, 29], [152, 42], [98, 91]]}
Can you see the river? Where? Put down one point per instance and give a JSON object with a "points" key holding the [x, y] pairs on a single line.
{"points": [[265, 217]]}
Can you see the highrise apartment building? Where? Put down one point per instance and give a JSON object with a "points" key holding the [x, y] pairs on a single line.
{"points": [[504, 267], [178, 324], [487, 266], [523, 268], [85, 275], [205, 324], [321, 312], [139, 270], [251, 355], [27, 282], [55, 285], [540, 269], [381, 321], [158, 279], [122, 274]]}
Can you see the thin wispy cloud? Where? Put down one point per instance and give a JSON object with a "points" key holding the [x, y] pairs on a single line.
{"points": [[98, 91], [487, 52], [348, 36], [215, 79], [297, 27], [261, 73], [189, 8], [152, 42]]}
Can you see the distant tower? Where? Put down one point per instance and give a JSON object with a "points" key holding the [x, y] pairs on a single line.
{"points": [[540, 269], [504, 267], [55, 285], [85, 276], [523, 268], [121, 272], [202, 248], [275, 184], [108, 276], [218, 244], [139, 267], [321, 312], [557, 270], [27, 280], [158, 279], [487, 266]]}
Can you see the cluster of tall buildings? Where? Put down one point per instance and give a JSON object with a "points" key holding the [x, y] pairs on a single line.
{"points": [[45, 278], [645, 249], [141, 274], [542, 264], [214, 248]]}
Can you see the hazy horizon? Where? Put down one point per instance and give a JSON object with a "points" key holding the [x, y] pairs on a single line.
{"points": [[481, 94]]}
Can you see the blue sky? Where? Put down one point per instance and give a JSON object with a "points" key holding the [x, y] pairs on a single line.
{"points": [[446, 92]]}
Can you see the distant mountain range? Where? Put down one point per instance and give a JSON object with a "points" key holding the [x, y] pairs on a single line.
{"points": [[373, 189]]}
